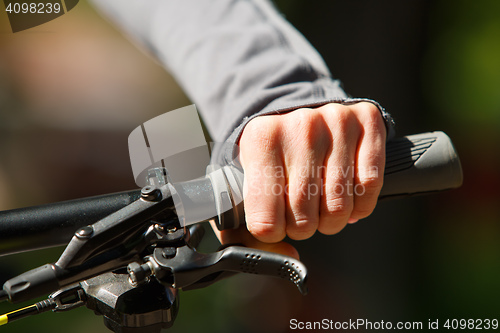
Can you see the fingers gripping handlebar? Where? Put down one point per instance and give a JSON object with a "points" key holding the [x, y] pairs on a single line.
{"points": [[415, 164]]}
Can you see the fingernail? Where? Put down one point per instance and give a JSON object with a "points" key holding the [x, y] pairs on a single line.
{"points": [[351, 220]]}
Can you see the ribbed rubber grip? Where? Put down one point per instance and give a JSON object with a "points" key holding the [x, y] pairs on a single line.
{"points": [[420, 163]]}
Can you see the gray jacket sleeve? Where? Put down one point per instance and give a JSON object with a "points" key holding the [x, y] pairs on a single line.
{"points": [[235, 59]]}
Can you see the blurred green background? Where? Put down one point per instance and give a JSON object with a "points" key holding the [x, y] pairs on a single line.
{"points": [[72, 90]]}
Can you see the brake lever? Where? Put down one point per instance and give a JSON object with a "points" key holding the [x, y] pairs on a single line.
{"points": [[182, 267], [189, 269]]}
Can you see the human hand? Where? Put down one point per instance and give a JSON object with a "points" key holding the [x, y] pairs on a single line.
{"points": [[309, 170]]}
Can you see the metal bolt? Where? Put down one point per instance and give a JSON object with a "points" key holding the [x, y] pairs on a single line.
{"points": [[134, 280], [150, 193], [138, 273], [168, 252], [84, 232]]}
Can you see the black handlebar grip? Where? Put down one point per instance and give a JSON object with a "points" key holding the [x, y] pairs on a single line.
{"points": [[420, 163]]}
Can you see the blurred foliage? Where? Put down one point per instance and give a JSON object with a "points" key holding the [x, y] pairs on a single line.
{"points": [[462, 67], [461, 84]]}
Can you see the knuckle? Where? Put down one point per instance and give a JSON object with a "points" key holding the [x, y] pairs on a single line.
{"points": [[306, 136], [308, 116], [368, 107], [304, 124], [262, 131], [301, 222], [345, 119], [338, 206], [371, 184], [371, 116], [264, 228], [302, 228], [372, 112], [331, 108]]}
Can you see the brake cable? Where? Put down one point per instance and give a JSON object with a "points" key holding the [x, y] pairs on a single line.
{"points": [[62, 300], [39, 307]]}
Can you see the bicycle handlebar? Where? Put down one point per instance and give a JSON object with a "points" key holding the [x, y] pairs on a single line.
{"points": [[50, 225], [415, 164]]}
